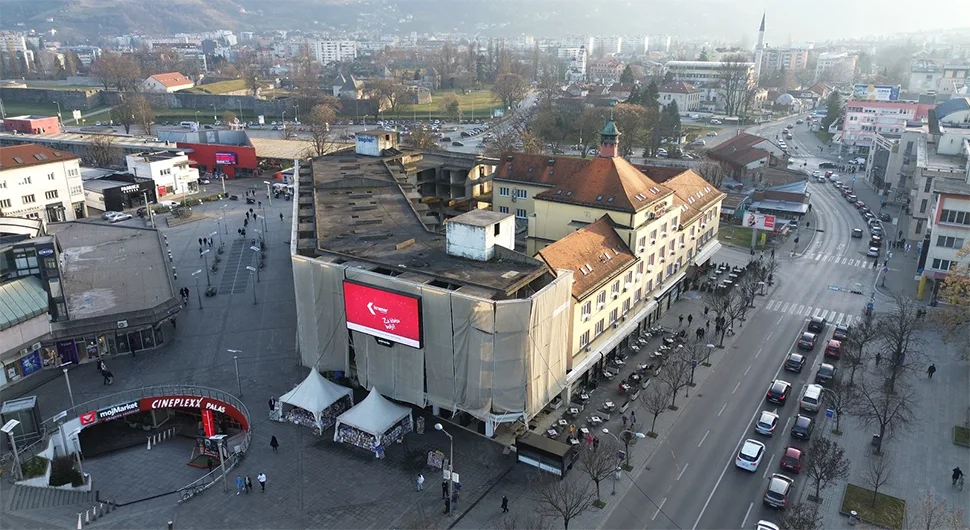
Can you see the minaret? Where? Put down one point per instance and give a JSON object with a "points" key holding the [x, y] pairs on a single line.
{"points": [[609, 148], [759, 51]]}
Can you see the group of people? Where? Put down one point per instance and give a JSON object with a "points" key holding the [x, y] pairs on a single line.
{"points": [[246, 484], [184, 293]]}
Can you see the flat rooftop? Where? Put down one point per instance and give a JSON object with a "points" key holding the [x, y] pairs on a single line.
{"points": [[110, 269], [51, 140], [363, 212]]}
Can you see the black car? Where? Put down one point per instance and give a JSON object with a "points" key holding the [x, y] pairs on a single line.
{"points": [[885, 217], [803, 427], [457, 144], [840, 333], [826, 372], [807, 341], [778, 391], [826, 165], [795, 362], [817, 324]]}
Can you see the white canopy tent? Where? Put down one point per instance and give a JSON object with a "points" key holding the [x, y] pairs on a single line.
{"points": [[316, 394], [376, 416]]}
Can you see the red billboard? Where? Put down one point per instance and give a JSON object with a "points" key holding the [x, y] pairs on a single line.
{"points": [[384, 314]]}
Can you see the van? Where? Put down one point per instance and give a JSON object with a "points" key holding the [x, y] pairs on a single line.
{"points": [[811, 399], [187, 124]]}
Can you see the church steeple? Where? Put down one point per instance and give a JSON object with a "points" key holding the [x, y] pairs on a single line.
{"points": [[609, 137]]}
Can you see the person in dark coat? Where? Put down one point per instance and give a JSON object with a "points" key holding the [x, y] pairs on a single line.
{"points": [[274, 444], [505, 504]]}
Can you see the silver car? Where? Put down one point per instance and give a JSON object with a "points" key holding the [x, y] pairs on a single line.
{"points": [[766, 423]]}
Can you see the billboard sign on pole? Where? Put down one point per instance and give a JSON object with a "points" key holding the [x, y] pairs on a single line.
{"points": [[875, 92], [759, 222]]}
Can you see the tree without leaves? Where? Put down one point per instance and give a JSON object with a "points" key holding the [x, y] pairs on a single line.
{"points": [[931, 514], [520, 522], [801, 516], [882, 407], [228, 117], [599, 464], [422, 138], [450, 104], [388, 91], [840, 396], [102, 150], [878, 473], [562, 499], [825, 463], [899, 332], [735, 83], [711, 171], [675, 373], [143, 112], [655, 402], [510, 88], [854, 348], [719, 301], [321, 133]]}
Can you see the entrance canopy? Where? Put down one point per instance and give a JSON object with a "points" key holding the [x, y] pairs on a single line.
{"points": [[374, 415], [315, 394]]}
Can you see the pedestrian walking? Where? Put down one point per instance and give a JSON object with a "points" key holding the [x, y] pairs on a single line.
{"points": [[589, 440], [259, 203], [261, 478], [708, 325], [240, 484], [246, 220], [680, 320], [878, 358], [505, 504], [633, 417], [624, 421], [200, 241], [281, 217], [706, 310], [596, 443], [931, 370], [108, 376], [275, 444], [690, 320], [420, 482], [249, 484], [186, 294], [444, 489], [247, 216]]}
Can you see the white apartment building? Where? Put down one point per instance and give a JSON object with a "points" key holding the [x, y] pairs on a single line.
{"points": [[940, 158], [575, 58], [332, 51], [778, 59], [170, 171], [687, 97], [706, 76], [38, 182], [13, 45], [840, 66]]}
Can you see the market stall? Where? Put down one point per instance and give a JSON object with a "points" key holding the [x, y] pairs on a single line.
{"points": [[315, 403], [373, 424]]}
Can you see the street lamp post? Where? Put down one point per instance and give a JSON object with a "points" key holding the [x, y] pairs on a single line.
{"points": [[269, 196], [251, 270], [197, 292], [223, 208], [630, 434], [196, 119], [208, 282], [451, 463], [8, 429], [235, 359], [217, 232], [67, 379], [255, 250], [213, 113]]}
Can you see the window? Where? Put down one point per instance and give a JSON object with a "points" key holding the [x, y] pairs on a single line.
{"points": [[642, 242], [503, 191], [615, 288], [929, 185], [637, 296], [4, 203], [521, 194], [520, 213], [955, 216], [587, 309], [949, 242], [626, 306], [614, 314], [601, 299], [584, 339], [497, 230], [600, 326], [629, 277], [653, 234], [28, 199], [640, 268], [919, 225], [3, 184], [26, 180], [503, 209], [50, 176], [50, 194], [55, 284], [922, 205], [944, 264]]}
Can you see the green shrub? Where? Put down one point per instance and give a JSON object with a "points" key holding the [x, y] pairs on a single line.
{"points": [[191, 202], [63, 472], [161, 209], [34, 467], [210, 198]]}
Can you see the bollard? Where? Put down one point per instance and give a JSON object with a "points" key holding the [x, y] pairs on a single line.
{"points": [[171, 525], [80, 524], [94, 513], [101, 507], [149, 443], [87, 516]]}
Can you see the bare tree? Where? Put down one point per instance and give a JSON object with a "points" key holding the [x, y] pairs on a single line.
{"points": [[735, 83], [511, 88], [143, 112], [321, 133], [711, 171], [229, 117], [878, 473], [719, 301], [562, 499], [767, 268], [124, 112], [450, 105], [519, 522], [102, 150], [122, 71], [655, 401], [854, 348], [880, 406], [389, 92], [900, 334], [600, 463], [737, 307], [675, 373], [826, 463], [801, 516], [840, 398], [421, 137], [931, 514]]}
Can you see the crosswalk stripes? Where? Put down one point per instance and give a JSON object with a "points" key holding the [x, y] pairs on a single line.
{"points": [[838, 260], [835, 317]]}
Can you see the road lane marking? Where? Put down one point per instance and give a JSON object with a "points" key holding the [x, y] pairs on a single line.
{"points": [[736, 387], [769, 335], [815, 314], [724, 406], [768, 468], [746, 514], [704, 438], [801, 308], [808, 311], [784, 308], [682, 471], [779, 319], [825, 314], [659, 507], [759, 353]]}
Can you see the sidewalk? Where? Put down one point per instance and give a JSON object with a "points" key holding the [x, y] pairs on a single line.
{"points": [[485, 511]]}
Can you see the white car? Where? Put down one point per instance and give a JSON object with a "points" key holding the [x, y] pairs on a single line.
{"points": [[750, 455], [816, 173], [170, 204], [119, 217], [661, 152], [109, 214], [766, 423], [766, 525]]}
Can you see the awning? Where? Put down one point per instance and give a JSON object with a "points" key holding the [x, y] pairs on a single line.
{"points": [[708, 252]]}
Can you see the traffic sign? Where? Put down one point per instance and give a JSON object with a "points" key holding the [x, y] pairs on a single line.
{"points": [[829, 413], [693, 363]]}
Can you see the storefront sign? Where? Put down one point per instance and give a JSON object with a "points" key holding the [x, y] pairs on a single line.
{"points": [[193, 402], [30, 363], [129, 189], [88, 418], [45, 251], [117, 411]]}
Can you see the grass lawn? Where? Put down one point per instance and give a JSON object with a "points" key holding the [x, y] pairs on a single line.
{"points": [[693, 131], [15, 108], [478, 104], [887, 512], [824, 136], [205, 115], [961, 436], [221, 87], [737, 236]]}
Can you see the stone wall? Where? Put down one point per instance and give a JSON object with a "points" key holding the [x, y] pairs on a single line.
{"points": [[68, 99], [204, 102]]}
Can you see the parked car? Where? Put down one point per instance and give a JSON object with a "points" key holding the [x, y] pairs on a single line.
{"points": [[803, 427], [807, 341], [457, 144], [833, 349], [109, 214], [119, 217], [811, 399], [795, 362], [825, 373], [169, 204], [841, 333], [766, 423], [712, 133], [885, 217], [817, 324], [699, 141], [793, 459], [779, 487]]}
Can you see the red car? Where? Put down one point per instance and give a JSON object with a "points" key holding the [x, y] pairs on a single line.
{"points": [[859, 205], [834, 349], [792, 461]]}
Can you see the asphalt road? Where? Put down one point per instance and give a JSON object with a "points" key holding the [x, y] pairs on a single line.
{"points": [[692, 477]]}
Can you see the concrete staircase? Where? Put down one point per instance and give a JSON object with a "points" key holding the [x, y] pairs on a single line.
{"points": [[31, 498]]}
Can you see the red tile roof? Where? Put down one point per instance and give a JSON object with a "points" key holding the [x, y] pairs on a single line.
{"points": [[609, 183], [30, 155], [740, 150], [692, 194], [172, 79], [595, 254]]}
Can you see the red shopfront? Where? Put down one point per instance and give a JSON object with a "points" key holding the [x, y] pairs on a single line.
{"points": [[234, 161]]}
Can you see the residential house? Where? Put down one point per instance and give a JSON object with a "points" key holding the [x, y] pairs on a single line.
{"points": [[687, 97], [746, 153], [167, 82]]}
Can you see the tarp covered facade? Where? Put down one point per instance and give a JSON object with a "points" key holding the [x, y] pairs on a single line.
{"points": [[481, 356]]}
